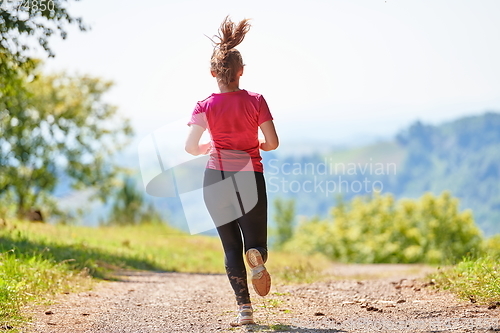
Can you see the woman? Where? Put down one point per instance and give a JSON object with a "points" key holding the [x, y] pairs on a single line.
{"points": [[234, 171]]}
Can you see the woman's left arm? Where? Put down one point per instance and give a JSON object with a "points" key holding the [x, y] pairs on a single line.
{"points": [[193, 145]]}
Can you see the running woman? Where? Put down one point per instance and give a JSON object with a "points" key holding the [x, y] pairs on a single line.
{"points": [[234, 184]]}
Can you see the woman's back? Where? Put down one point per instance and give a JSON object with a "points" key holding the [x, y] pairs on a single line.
{"points": [[233, 119]]}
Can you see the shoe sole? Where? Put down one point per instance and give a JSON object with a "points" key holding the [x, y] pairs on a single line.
{"points": [[242, 322], [247, 322], [244, 319], [262, 280]]}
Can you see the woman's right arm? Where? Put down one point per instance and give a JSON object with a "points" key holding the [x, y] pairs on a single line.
{"points": [[193, 145], [270, 141]]}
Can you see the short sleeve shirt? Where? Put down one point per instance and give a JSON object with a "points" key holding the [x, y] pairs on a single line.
{"points": [[233, 120]]}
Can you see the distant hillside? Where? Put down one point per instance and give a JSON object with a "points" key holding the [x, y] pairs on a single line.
{"points": [[462, 156]]}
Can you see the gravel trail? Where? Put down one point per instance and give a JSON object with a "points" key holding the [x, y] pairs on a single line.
{"points": [[357, 298]]}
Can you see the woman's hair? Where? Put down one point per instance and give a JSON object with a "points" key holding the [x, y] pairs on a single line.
{"points": [[226, 60]]}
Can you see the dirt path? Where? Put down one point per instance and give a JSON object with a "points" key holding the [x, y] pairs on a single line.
{"points": [[358, 298]]}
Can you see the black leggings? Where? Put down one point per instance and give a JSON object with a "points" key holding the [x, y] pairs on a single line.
{"points": [[226, 205]]}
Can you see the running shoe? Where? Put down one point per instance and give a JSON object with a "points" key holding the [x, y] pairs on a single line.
{"points": [[261, 280], [245, 316]]}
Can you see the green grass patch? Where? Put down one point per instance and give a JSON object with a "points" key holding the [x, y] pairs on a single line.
{"points": [[31, 277], [40, 260], [476, 280], [272, 303], [276, 293]]}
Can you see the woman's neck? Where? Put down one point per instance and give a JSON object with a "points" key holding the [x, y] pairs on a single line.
{"points": [[233, 86]]}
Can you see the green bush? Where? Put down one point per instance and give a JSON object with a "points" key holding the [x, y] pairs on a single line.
{"points": [[379, 230]]}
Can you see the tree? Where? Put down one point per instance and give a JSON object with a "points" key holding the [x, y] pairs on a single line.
{"points": [[23, 24], [57, 123], [22, 21], [129, 207], [284, 217], [24, 174]]}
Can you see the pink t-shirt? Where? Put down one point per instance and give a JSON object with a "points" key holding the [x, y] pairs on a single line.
{"points": [[232, 120]]}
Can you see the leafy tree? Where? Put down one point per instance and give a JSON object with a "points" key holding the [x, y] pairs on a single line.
{"points": [[23, 25], [22, 22], [284, 216], [130, 208], [57, 123], [27, 175]]}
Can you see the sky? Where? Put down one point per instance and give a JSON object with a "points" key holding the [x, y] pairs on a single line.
{"points": [[334, 71]]}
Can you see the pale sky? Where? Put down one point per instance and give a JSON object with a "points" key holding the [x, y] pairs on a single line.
{"points": [[330, 70]]}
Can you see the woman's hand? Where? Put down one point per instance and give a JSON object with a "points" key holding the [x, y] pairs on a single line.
{"points": [[204, 148]]}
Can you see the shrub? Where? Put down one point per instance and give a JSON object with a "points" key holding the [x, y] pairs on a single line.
{"points": [[378, 229]]}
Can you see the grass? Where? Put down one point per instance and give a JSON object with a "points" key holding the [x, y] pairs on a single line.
{"points": [[273, 303], [477, 280], [40, 260], [25, 277]]}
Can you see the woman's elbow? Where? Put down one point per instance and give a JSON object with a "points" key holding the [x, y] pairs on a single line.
{"points": [[270, 145], [191, 150], [274, 144]]}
